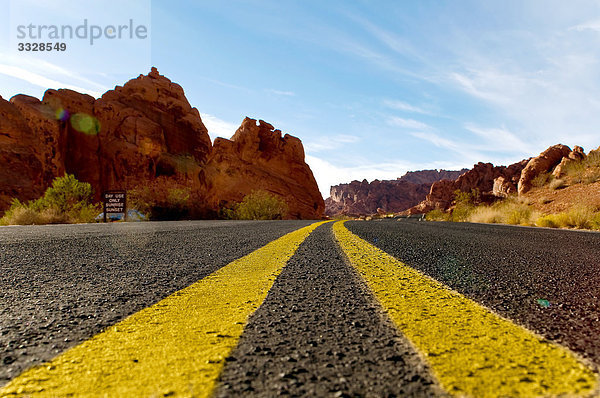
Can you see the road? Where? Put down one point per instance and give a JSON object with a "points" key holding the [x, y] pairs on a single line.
{"points": [[217, 308]]}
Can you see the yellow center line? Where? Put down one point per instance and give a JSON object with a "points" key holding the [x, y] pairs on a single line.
{"points": [[176, 347], [471, 350]]}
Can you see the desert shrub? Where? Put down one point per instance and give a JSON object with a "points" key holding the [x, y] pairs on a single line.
{"points": [[65, 194], [437, 215], [20, 214], [592, 177], [542, 179], [557, 184], [520, 215], [580, 217], [595, 222], [163, 199], [258, 205], [575, 168], [486, 214], [66, 201], [464, 204], [586, 171], [512, 210]]}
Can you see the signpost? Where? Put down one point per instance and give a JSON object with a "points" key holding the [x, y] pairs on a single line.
{"points": [[115, 202]]}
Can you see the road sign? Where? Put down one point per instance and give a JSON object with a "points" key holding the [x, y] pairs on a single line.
{"points": [[115, 202]]}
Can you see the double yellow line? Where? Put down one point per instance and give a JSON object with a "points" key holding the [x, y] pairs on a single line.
{"points": [[471, 350], [178, 346]]}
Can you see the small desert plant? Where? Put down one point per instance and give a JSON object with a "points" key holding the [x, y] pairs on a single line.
{"points": [[580, 217], [558, 184], [512, 210], [437, 215], [486, 214], [542, 179], [520, 215], [66, 201], [258, 205], [164, 198], [20, 214], [464, 204]]}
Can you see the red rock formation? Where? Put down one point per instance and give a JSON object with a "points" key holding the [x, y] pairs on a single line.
{"points": [[431, 176], [576, 155], [393, 196], [21, 173], [138, 133], [482, 177], [543, 163], [258, 158]]}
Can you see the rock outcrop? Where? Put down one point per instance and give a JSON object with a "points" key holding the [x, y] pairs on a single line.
{"points": [[543, 163], [491, 181], [496, 182], [388, 196], [141, 132], [21, 170], [258, 157], [576, 155]]}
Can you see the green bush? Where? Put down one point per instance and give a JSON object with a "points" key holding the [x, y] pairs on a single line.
{"points": [[163, 199], [259, 205], [66, 201], [437, 215]]}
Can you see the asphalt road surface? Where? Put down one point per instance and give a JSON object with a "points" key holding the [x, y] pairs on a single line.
{"points": [[227, 309]]}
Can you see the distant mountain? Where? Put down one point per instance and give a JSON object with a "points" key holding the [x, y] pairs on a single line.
{"points": [[387, 196]]}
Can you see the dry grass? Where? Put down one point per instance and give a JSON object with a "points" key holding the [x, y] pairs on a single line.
{"points": [[438, 215], [513, 211], [557, 184], [580, 217], [542, 179]]}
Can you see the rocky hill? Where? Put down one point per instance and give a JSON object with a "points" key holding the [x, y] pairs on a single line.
{"points": [[497, 182], [387, 196], [138, 133]]}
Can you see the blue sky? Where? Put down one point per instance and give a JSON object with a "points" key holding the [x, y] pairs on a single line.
{"points": [[373, 88]]}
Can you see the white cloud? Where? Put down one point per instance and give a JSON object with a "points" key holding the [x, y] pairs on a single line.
{"points": [[543, 87], [218, 127], [326, 143], [500, 139], [43, 81], [403, 106], [590, 25], [282, 93], [407, 123]]}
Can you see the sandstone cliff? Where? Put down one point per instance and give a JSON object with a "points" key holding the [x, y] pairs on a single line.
{"points": [[139, 133], [258, 157], [387, 196]]}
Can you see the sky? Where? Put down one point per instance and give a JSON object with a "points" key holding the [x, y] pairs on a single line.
{"points": [[372, 88]]}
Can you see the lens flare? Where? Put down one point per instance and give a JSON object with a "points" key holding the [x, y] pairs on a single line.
{"points": [[85, 124], [62, 114]]}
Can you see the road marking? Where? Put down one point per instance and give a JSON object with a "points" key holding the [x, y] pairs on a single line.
{"points": [[175, 347], [471, 350]]}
